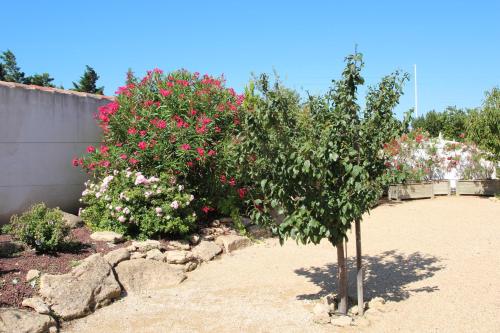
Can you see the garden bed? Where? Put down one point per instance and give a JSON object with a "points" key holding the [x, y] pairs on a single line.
{"points": [[486, 187], [13, 285], [411, 191]]}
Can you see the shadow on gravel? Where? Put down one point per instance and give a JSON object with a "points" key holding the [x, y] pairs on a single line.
{"points": [[386, 275]]}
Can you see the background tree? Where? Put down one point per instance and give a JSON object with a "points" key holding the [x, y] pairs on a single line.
{"points": [[43, 80], [88, 82], [11, 72], [2, 72], [483, 127], [318, 165]]}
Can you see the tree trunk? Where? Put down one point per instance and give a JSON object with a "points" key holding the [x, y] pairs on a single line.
{"points": [[359, 268], [342, 278]]}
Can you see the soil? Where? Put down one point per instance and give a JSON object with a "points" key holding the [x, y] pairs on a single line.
{"points": [[435, 261], [13, 285]]}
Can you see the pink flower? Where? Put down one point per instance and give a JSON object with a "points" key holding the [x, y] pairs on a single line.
{"points": [[241, 192], [223, 179], [90, 149], [206, 209], [185, 146], [232, 182], [161, 124], [211, 152], [142, 145], [200, 151], [123, 156], [132, 131], [143, 133], [133, 161], [75, 161], [165, 92], [105, 164], [104, 149]]}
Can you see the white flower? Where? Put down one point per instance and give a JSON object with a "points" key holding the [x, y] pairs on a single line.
{"points": [[128, 174], [158, 191], [85, 192], [126, 210], [153, 179], [140, 179], [118, 208], [194, 214], [181, 187], [115, 172], [147, 194], [168, 217], [174, 204], [98, 195], [107, 198], [191, 197], [158, 209], [121, 219]]}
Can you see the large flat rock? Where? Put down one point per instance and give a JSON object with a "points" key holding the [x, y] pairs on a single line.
{"points": [[142, 275], [23, 321], [87, 287]]}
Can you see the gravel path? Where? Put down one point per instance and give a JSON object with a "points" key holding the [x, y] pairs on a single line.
{"points": [[437, 260]]}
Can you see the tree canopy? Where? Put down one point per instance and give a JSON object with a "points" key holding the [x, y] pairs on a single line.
{"points": [[88, 82]]}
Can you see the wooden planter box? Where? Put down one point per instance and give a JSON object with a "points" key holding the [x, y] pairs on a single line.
{"points": [[442, 187], [411, 191], [488, 187]]}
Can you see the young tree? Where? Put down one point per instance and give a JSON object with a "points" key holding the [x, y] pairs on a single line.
{"points": [[43, 80], [88, 82], [319, 165], [11, 72], [2, 72]]}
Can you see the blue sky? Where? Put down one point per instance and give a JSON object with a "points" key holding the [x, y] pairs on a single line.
{"points": [[455, 44]]}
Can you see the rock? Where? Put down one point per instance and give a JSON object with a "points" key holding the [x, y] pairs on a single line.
{"points": [[362, 322], [232, 243], [72, 220], [8, 248], [137, 255], [116, 256], [321, 314], [156, 254], [354, 310], [206, 251], [258, 231], [194, 239], [178, 245], [107, 236], [37, 304], [190, 266], [341, 321], [53, 329], [246, 221], [179, 257], [145, 246], [215, 223], [226, 220], [87, 287], [376, 303], [24, 321], [330, 302], [32, 274], [142, 276]]}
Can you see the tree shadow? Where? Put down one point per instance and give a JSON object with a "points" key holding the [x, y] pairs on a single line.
{"points": [[386, 275]]}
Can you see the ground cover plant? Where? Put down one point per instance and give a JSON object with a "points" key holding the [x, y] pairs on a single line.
{"points": [[39, 227]]}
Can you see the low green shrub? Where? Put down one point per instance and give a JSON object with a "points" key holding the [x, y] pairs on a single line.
{"points": [[40, 227]]}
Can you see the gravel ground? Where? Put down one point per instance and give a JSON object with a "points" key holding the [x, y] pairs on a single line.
{"points": [[437, 261]]}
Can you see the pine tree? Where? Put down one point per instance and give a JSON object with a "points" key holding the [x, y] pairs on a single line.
{"points": [[43, 80], [2, 72], [11, 72], [88, 81]]}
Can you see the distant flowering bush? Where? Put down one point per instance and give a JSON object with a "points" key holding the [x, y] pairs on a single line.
{"points": [[129, 202], [180, 124]]}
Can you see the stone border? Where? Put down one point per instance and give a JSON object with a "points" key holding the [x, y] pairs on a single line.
{"points": [[99, 279]]}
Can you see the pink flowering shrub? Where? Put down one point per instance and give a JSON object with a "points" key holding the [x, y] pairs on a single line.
{"points": [[177, 124], [131, 203]]}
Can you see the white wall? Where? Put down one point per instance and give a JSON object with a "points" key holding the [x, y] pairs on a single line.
{"points": [[41, 130]]}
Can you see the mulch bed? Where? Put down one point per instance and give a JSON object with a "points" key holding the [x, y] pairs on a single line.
{"points": [[13, 285]]}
